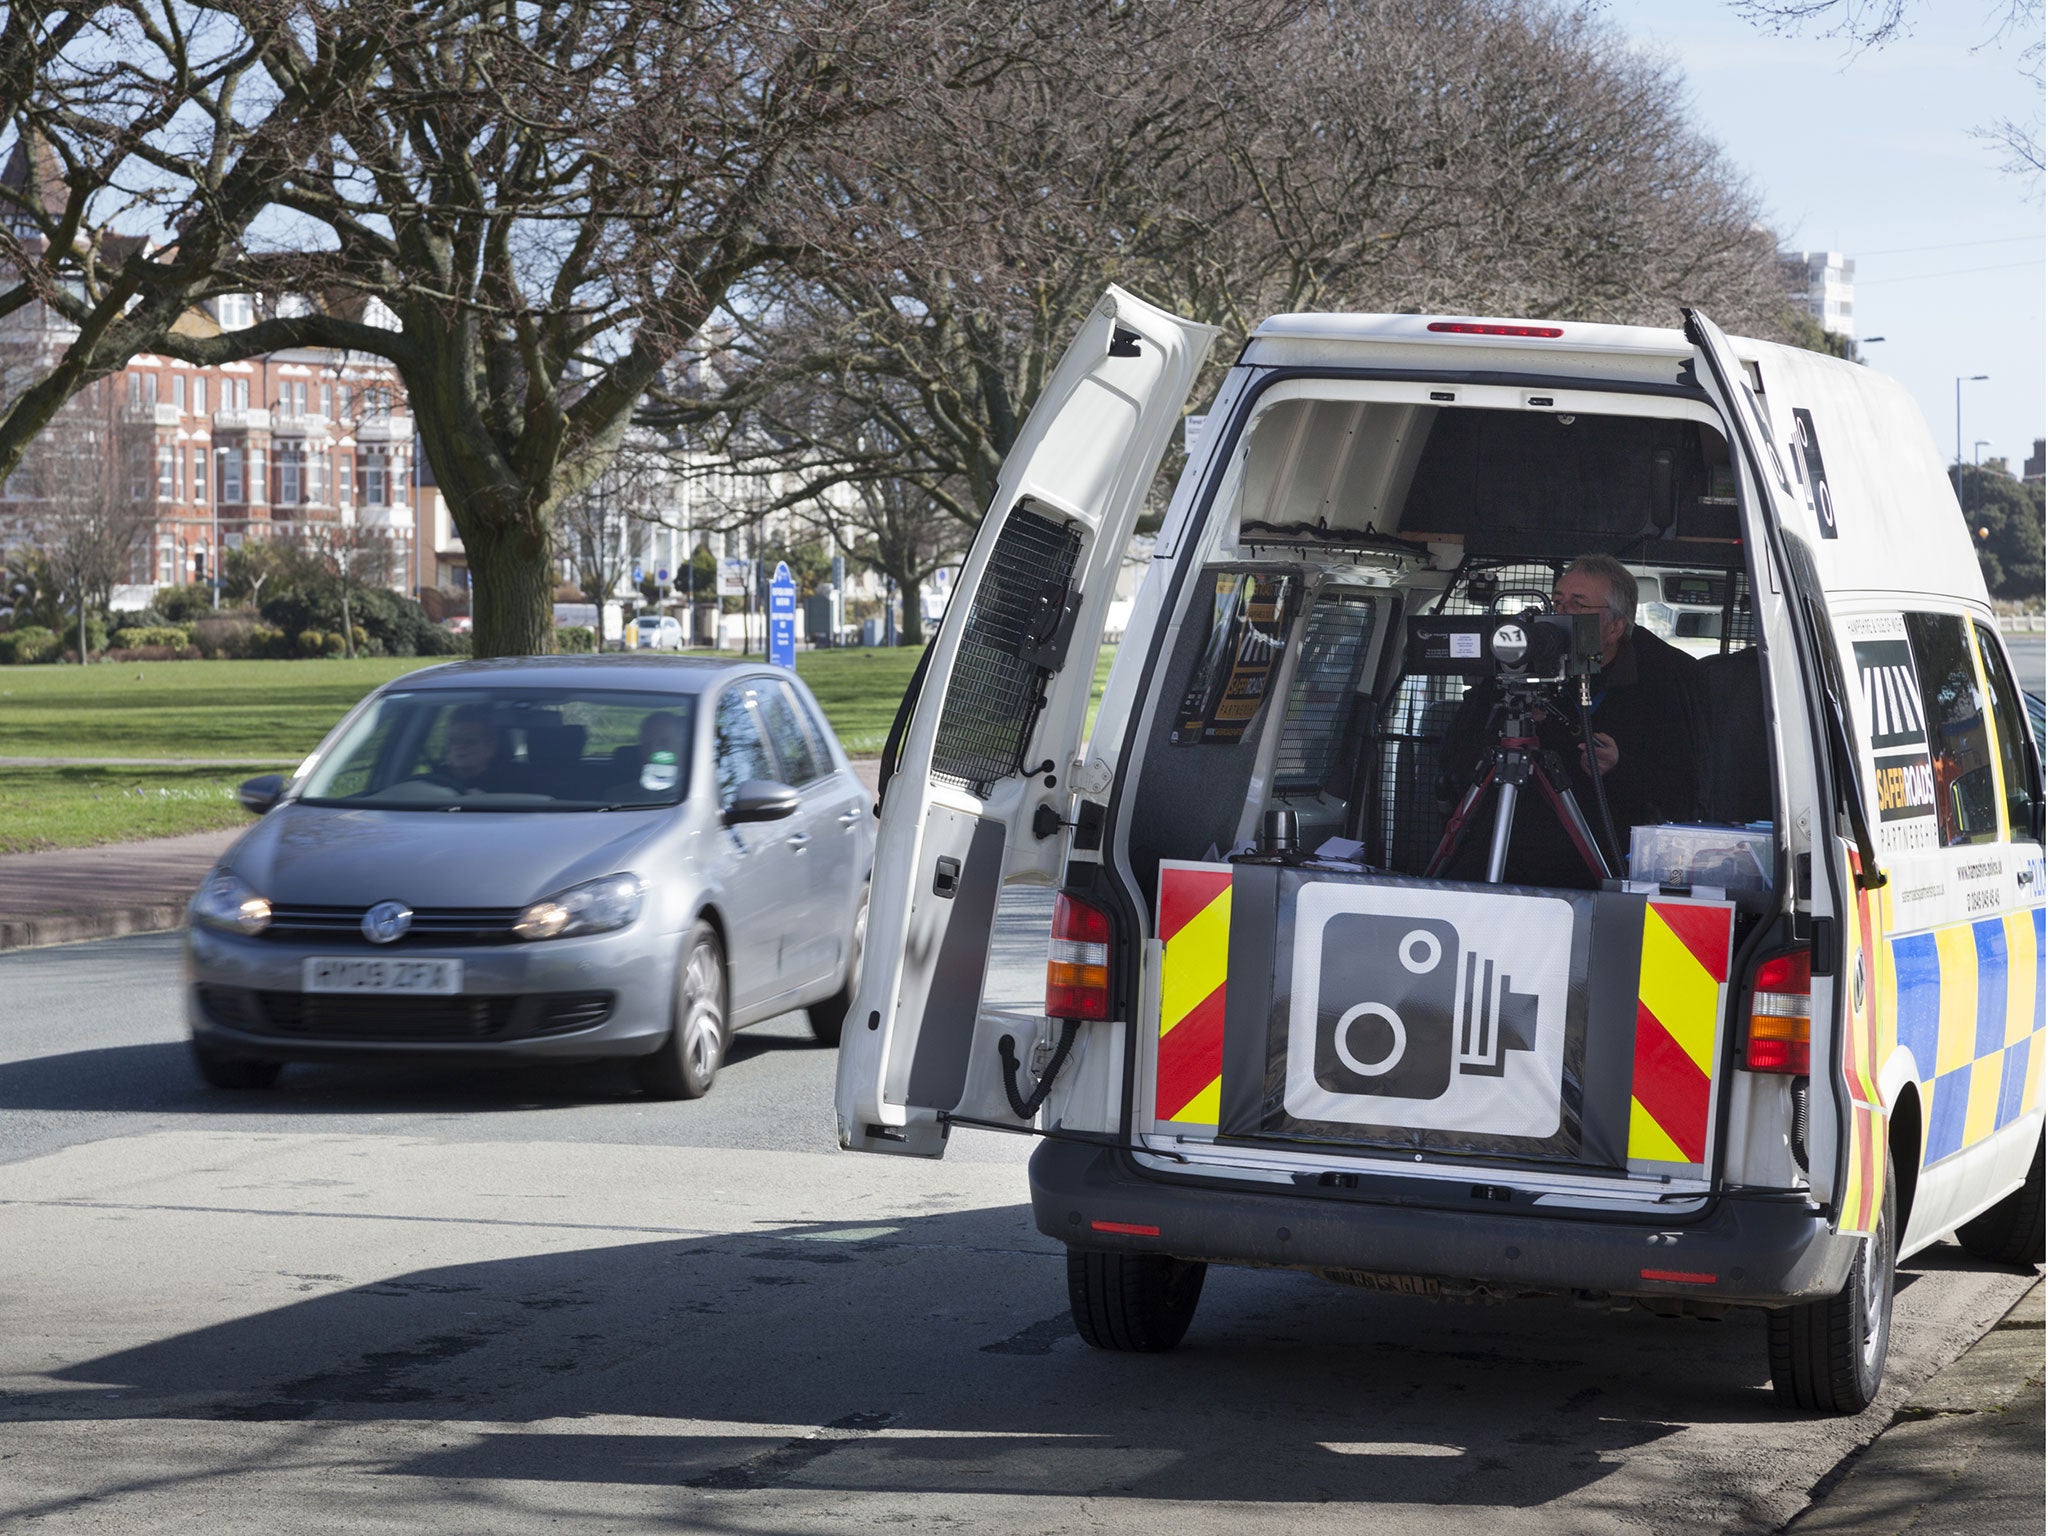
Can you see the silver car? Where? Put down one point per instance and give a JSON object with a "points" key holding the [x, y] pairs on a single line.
{"points": [[540, 858]]}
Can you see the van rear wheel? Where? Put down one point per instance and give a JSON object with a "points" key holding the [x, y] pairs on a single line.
{"points": [[1140, 1302], [1828, 1356], [2011, 1232]]}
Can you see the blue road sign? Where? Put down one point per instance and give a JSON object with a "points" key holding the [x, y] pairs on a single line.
{"points": [[636, 573], [662, 574], [782, 618]]}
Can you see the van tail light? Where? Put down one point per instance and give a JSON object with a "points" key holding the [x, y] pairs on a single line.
{"points": [[1781, 1014], [1077, 961]]}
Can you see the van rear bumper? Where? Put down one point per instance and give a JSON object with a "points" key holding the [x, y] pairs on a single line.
{"points": [[1747, 1249]]}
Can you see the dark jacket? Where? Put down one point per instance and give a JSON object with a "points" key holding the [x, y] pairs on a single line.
{"points": [[1645, 701]]}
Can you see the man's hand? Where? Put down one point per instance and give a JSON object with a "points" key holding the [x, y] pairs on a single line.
{"points": [[1605, 753]]}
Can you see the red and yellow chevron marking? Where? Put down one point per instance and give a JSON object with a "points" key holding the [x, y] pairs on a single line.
{"points": [[1194, 932], [1863, 1190], [1679, 991]]}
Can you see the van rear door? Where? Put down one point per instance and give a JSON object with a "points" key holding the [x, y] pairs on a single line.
{"points": [[1815, 752], [994, 728]]}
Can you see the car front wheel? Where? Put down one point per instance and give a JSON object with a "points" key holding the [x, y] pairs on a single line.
{"points": [[686, 1063]]}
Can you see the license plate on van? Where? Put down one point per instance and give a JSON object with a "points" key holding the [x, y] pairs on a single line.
{"points": [[432, 977]]}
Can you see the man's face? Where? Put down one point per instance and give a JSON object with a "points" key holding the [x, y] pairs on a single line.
{"points": [[471, 747], [1583, 592]]}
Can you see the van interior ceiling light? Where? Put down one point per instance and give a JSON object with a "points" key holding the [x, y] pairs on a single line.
{"points": [[1781, 1014], [1482, 328]]}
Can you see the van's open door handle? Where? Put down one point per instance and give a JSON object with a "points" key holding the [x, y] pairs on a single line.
{"points": [[797, 840], [852, 816]]}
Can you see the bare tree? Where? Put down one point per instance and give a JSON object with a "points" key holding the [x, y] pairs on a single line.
{"points": [[353, 556], [87, 487], [147, 138], [1461, 156]]}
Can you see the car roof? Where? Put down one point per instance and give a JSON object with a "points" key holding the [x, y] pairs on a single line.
{"points": [[623, 670]]}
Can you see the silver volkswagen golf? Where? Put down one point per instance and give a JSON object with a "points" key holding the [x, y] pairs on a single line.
{"points": [[540, 858]]}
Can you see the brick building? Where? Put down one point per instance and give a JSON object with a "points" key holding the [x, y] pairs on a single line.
{"points": [[289, 444]]}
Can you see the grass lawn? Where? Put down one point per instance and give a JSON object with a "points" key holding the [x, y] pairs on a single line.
{"points": [[78, 807], [270, 713]]}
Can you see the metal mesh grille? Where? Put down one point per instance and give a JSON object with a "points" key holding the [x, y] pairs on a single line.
{"points": [[995, 695], [1324, 693]]}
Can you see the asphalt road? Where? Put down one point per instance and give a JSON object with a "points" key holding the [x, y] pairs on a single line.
{"points": [[2029, 661], [524, 1301]]}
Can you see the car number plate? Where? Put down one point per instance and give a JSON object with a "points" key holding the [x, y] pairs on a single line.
{"points": [[327, 974]]}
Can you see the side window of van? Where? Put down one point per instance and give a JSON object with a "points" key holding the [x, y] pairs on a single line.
{"points": [[1965, 794], [2021, 768]]}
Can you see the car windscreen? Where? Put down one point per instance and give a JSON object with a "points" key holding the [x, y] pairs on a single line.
{"points": [[510, 749]]}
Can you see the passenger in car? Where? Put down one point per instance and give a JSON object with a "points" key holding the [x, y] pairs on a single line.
{"points": [[1645, 738]]}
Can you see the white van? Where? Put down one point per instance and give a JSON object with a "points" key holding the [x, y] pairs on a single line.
{"points": [[1756, 1050]]}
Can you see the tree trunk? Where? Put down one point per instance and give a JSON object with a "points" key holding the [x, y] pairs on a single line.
{"points": [[908, 578], [512, 590]]}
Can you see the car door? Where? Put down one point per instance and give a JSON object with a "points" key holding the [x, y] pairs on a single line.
{"points": [[763, 873], [990, 739], [817, 918]]}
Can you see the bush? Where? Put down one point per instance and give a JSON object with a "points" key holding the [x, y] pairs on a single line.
{"points": [[133, 637], [154, 653], [27, 645], [437, 641], [184, 605], [269, 644], [225, 637], [575, 639]]}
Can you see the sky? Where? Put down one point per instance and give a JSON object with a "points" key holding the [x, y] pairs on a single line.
{"points": [[1870, 154]]}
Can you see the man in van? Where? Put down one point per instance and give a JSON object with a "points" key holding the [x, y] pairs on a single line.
{"points": [[1644, 744]]}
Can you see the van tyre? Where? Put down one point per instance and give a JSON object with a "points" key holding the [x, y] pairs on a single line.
{"points": [[1828, 1356], [2011, 1231], [235, 1073], [1140, 1302], [828, 1016], [686, 1063]]}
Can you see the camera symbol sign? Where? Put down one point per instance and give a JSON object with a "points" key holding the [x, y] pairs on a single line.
{"points": [[1432, 1010]]}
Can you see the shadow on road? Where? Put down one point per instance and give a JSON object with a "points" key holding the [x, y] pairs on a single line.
{"points": [[158, 1076], [896, 1341]]}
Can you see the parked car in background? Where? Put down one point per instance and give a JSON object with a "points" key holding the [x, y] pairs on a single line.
{"points": [[654, 632], [540, 858], [457, 624]]}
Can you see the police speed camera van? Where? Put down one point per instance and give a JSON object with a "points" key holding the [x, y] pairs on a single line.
{"points": [[1757, 1051]]}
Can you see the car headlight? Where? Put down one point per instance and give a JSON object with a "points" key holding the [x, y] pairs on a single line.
{"points": [[595, 906], [226, 901]]}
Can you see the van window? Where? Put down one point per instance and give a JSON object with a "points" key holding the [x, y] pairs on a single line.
{"points": [[2020, 767], [1965, 798]]}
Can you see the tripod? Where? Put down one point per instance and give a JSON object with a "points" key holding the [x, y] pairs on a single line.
{"points": [[1518, 759]]}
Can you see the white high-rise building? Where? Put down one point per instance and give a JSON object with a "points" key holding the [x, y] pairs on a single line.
{"points": [[1823, 283]]}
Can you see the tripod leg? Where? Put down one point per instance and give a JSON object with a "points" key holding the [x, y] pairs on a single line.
{"points": [[1576, 827], [1503, 829], [1454, 829]]}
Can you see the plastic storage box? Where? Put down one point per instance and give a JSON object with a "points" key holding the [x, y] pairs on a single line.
{"points": [[1732, 858]]}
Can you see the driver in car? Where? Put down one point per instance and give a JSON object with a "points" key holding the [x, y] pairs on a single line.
{"points": [[473, 756], [1644, 742]]}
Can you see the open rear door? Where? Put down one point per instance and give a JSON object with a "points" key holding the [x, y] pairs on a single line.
{"points": [[1791, 613], [995, 728]]}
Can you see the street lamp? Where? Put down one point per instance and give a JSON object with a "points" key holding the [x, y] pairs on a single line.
{"points": [[1976, 458], [1961, 380]]}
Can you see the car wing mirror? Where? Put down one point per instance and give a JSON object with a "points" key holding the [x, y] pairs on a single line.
{"points": [[760, 800], [261, 793]]}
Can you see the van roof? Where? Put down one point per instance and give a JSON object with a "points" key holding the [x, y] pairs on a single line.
{"points": [[1573, 335]]}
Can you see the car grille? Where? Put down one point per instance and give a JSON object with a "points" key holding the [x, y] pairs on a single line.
{"points": [[430, 925], [382, 1017]]}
